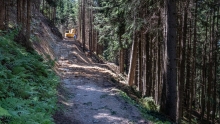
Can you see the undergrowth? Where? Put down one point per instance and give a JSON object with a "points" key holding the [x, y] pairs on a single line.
{"points": [[27, 85], [148, 110]]}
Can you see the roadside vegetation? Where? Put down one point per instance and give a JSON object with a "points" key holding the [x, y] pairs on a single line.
{"points": [[27, 84], [148, 108]]}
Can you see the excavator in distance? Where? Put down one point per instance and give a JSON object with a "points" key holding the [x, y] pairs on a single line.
{"points": [[70, 33]]}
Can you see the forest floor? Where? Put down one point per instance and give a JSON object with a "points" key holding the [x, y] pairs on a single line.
{"points": [[87, 93]]}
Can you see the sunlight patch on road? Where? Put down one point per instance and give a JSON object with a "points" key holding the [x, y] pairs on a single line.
{"points": [[109, 117], [92, 67], [90, 88]]}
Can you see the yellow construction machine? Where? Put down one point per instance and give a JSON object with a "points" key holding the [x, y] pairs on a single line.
{"points": [[70, 33]]}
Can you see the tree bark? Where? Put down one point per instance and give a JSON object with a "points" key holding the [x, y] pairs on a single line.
{"points": [[28, 24], [2, 14], [132, 68], [121, 55], [171, 73], [140, 83], [122, 62], [7, 5], [210, 78], [204, 70], [83, 26], [28, 27], [23, 18], [144, 63], [79, 19], [19, 5], [182, 65], [193, 95], [215, 63], [148, 83]]}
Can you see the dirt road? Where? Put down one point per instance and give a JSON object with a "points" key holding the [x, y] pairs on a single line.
{"points": [[86, 94]]}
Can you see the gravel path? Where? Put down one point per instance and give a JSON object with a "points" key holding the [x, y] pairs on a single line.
{"points": [[86, 94]]}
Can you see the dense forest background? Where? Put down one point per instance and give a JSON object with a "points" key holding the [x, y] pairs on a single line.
{"points": [[168, 50]]}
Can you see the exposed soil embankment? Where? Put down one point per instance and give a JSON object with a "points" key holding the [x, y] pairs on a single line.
{"points": [[45, 36]]}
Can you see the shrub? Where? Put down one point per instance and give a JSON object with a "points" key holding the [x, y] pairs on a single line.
{"points": [[148, 102]]}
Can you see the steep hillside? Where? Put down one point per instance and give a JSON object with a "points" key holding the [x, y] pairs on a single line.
{"points": [[46, 35], [27, 85], [27, 82]]}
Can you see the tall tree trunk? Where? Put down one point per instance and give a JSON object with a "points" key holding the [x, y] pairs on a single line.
{"points": [[140, 83], [23, 15], [7, 5], [144, 63], [132, 68], [182, 65], [210, 78], [150, 66], [28, 26], [171, 73], [148, 83], [79, 20], [159, 60], [90, 24], [83, 26], [190, 70], [193, 95], [215, 71], [19, 5], [204, 70], [121, 55], [122, 58], [97, 44], [2, 14]]}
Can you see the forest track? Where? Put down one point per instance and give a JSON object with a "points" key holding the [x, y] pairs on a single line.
{"points": [[86, 94]]}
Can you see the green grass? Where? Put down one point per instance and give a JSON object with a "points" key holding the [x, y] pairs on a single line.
{"points": [[27, 85], [149, 111]]}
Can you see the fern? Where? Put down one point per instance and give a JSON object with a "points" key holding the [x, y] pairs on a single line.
{"points": [[4, 112], [148, 103], [27, 85]]}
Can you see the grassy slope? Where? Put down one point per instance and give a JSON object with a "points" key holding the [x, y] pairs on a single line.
{"points": [[27, 85]]}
